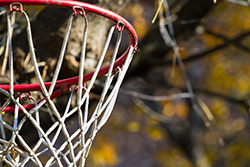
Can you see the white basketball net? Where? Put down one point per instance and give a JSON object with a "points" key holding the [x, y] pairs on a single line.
{"points": [[49, 149]]}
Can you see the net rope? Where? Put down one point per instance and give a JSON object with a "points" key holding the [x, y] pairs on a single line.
{"points": [[73, 151]]}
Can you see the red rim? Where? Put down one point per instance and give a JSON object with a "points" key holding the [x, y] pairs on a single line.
{"points": [[89, 7]]}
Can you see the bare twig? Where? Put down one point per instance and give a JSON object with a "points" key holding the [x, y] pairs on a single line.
{"points": [[239, 2], [209, 51], [236, 44], [205, 109], [170, 40], [153, 114], [157, 12], [149, 97], [156, 98]]}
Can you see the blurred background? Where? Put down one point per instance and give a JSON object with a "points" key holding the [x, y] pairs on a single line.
{"points": [[146, 130], [185, 101]]}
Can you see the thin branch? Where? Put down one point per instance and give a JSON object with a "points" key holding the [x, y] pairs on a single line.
{"points": [[153, 114], [207, 52], [244, 101], [156, 98], [238, 2], [237, 44], [170, 41], [238, 101], [148, 97], [157, 12], [222, 46]]}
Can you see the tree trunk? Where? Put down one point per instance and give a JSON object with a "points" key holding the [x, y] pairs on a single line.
{"points": [[48, 33]]}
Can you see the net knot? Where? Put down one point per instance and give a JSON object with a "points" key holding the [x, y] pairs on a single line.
{"points": [[25, 97], [135, 46], [16, 6], [83, 86], [120, 26], [78, 10], [118, 69]]}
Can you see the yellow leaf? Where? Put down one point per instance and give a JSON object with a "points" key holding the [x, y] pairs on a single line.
{"points": [[155, 133], [182, 111], [105, 155], [133, 126], [239, 124], [168, 110], [205, 109]]}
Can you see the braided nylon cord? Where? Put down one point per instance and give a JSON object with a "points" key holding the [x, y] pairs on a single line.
{"points": [[73, 151]]}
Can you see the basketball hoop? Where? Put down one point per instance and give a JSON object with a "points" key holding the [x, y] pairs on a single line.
{"points": [[49, 150]]}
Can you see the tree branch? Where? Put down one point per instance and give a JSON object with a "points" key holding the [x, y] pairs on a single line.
{"points": [[153, 49]]}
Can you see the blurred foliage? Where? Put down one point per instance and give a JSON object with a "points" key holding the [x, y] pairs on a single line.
{"points": [[104, 154], [217, 78]]}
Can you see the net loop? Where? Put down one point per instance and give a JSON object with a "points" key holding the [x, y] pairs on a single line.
{"points": [[25, 97], [118, 69], [120, 26], [135, 46], [16, 6], [83, 87], [78, 10]]}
